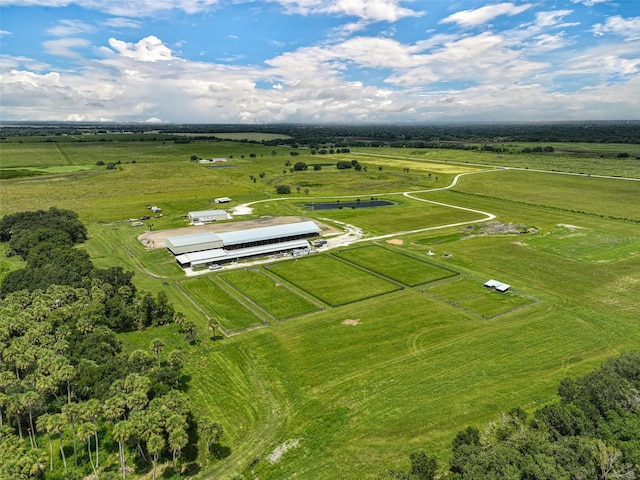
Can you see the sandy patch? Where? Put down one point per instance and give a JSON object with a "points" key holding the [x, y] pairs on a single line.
{"points": [[274, 456], [351, 321], [395, 241], [568, 226]]}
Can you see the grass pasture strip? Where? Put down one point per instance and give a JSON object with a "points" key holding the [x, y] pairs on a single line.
{"points": [[473, 296], [331, 280], [274, 297], [218, 304], [397, 266]]}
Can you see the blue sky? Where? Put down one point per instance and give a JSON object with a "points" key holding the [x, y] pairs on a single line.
{"points": [[319, 61]]}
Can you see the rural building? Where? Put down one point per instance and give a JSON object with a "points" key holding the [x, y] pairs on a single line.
{"points": [[205, 216], [212, 160], [194, 242], [496, 285], [222, 200], [201, 249]]}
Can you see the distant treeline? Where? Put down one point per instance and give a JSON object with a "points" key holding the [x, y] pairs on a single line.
{"points": [[364, 135]]}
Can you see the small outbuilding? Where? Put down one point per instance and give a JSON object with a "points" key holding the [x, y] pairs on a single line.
{"points": [[206, 216], [195, 242], [496, 285], [222, 200]]}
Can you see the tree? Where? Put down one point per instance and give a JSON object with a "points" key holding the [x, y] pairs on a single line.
{"points": [[157, 346], [57, 422], [283, 189], [299, 166], [210, 431], [122, 431], [190, 331], [317, 167], [86, 431], [44, 424], [213, 324], [72, 413], [155, 445]]}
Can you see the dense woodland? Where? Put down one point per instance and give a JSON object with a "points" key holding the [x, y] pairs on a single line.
{"points": [[64, 377], [414, 136]]}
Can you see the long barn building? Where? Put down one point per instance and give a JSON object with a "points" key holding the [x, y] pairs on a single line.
{"points": [[201, 249]]}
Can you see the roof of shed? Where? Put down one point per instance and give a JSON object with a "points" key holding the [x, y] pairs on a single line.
{"points": [[193, 239], [267, 233], [207, 213]]}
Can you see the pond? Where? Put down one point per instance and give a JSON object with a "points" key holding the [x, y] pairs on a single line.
{"points": [[351, 204]]}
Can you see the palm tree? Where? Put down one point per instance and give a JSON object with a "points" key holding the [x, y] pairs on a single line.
{"points": [[29, 398], [86, 431], [155, 445], [157, 346], [71, 411], [57, 422], [44, 424], [213, 324], [122, 431], [114, 407], [90, 411]]}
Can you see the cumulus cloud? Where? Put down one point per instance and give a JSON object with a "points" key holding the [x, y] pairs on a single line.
{"points": [[124, 8], [149, 49]]}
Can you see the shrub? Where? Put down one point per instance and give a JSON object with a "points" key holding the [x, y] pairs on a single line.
{"points": [[283, 189]]}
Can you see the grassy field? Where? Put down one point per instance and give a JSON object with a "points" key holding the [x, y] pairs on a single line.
{"points": [[272, 296], [217, 303], [412, 366], [400, 267]]}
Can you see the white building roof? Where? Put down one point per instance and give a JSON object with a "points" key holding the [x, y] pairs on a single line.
{"points": [[221, 255], [193, 239], [207, 213], [268, 233], [496, 285]]}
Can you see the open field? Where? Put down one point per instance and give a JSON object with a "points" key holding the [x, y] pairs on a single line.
{"points": [[272, 296], [219, 304], [409, 369], [400, 267]]}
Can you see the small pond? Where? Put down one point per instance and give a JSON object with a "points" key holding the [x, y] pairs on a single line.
{"points": [[351, 204]]}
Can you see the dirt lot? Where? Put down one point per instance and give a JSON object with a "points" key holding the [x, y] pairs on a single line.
{"points": [[156, 239]]}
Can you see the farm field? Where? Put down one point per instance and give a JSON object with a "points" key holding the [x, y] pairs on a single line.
{"points": [[219, 304], [272, 296], [400, 267], [365, 371], [332, 281]]}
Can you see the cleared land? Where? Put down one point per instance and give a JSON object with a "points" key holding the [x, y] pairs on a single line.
{"points": [[416, 369], [332, 281], [400, 267]]}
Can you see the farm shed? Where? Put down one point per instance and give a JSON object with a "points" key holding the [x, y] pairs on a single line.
{"points": [[204, 216], [267, 235], [222, 200], [220, 255], [496, 285], [193, 243]]}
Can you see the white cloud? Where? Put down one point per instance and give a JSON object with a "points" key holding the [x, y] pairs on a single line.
{"points": [[149, 49], [482, 15], [589, 3], [553, 18], [372, 10], [68, 28], [63, 47], [119, 22], [124, 8], [629, 28], [5, 32]]}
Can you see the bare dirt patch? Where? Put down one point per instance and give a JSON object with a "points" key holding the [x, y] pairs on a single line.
{"points": [[351, 321], [395, 241], [156, 239]]}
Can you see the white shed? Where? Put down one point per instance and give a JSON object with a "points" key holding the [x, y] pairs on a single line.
{"points": [[205, 216]]}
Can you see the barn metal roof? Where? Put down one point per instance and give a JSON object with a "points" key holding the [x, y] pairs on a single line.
{"points": [[496, 285], [268, 233], [193, 239], [207, 213]]}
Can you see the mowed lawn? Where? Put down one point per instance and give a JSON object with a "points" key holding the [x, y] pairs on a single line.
{"points": [[218, 304], [331, 280], [397, 266], [271, 295]]}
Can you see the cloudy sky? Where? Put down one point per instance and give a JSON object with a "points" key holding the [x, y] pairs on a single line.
{"points": [[319, 61]]}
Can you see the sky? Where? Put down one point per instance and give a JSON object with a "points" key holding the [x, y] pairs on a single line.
{"points": [[319, 61]]}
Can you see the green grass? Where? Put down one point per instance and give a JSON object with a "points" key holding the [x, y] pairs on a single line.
{"points": [[219, 304], [397, 266], [271, 295], [332, 281], [416, 369]]}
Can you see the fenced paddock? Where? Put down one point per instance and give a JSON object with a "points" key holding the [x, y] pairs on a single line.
{"points": [[219, 304], [274, 297], [473, 296], [332, 280], [398, 266]]}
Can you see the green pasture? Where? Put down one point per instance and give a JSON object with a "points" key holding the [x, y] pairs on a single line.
{"points": [[331, 280], [273, 296], [397, 266], [219, 304], [472, 295], [409, 369]]}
